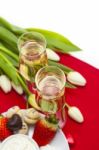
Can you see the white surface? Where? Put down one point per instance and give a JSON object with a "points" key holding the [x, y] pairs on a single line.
{"points": [[60, 142], [78, 20]]}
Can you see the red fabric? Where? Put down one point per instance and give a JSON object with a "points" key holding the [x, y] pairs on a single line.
{"points": [[86, 135]]}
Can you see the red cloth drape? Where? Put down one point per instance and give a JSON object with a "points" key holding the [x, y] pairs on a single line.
{"points": [[86, 135]]}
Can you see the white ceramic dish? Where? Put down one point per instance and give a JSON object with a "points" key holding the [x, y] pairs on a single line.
{"points": [[19, 140], [59, 142]]}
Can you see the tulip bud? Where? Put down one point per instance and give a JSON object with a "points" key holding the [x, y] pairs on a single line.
{"points": [[17, 88], [5, 83], [76, 78], [75, 114], [52, 55]]}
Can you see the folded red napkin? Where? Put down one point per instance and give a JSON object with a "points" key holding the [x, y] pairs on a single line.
{"points": [[85, 98]]}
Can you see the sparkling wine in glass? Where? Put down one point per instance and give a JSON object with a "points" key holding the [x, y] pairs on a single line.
{"points": [[32, 48], [50, 82]]}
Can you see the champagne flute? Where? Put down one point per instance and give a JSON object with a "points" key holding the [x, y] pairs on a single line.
{"points": [[50, 82], [32, 49]]}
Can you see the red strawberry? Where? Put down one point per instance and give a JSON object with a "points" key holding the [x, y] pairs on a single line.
{"points": [[4, 131], [45, 130]]}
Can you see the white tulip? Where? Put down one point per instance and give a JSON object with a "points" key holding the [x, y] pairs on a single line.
{"points": [[5, 83], [76, 78], [75, 114], [52, 55], [17, 88]]}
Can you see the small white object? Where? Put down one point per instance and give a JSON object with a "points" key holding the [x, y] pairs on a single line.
{"points": [[17, 88], [76, 78], [5, 83], [11, 111], [75, 114], [47, 147], [52, 55]]}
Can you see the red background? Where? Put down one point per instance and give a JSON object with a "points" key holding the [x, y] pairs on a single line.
{"points": [[86, 135]]}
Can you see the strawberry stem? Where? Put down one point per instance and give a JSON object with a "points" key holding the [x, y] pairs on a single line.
{"points": [[52, 119]]}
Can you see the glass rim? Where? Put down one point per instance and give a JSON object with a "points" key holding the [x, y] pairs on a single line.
{"points": [[64, 77], [36, 33]]}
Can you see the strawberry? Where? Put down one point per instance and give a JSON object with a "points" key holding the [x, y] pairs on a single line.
{"points": [[45, 130], [4, 131]]}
